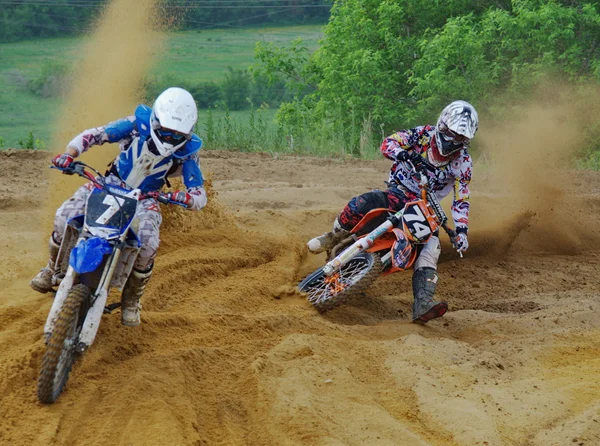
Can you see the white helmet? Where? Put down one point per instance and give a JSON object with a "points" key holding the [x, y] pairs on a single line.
{"points": [[174, 115], [456, 127]]}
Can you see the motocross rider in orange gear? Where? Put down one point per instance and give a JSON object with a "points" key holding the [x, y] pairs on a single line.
{"points": [[442, 150]]}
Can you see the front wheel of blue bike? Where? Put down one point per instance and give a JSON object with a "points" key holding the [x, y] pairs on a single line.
{"points": [[60, 350]]}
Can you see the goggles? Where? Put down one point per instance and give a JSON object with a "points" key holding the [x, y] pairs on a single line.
{"points": [[170, 136], [453, 137]]}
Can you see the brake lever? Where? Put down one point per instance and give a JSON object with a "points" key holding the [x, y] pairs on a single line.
{"points": [[452, 234], [67, 171], [77, 169]]}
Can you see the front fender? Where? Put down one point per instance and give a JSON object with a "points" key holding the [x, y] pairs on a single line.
{"points": [[87, 256]]}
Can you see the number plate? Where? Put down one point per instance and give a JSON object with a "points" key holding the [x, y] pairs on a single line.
{"points": [[416, 222], [109, 211]]}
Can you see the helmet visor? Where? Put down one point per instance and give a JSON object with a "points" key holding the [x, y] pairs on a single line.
{"points": [[451, 141], [170, 136]]}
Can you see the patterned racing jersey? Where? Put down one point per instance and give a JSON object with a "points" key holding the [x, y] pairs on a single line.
{"points": [[140, 167], [454, 175]]}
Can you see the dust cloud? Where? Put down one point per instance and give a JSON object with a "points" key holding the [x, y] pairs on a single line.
{"points": [[227, 354], [122, 47], [525, 191]]}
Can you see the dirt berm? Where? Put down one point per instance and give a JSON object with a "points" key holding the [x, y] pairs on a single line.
{"points": [[228, 354]]}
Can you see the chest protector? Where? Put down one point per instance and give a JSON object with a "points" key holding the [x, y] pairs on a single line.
{"points": [[139, 168]]}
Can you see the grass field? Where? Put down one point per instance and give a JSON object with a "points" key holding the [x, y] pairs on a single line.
{"points": [[191, 55]]}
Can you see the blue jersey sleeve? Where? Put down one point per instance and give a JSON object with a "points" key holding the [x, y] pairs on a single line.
{"points": [[119, 130], [124, 128], [192, 175]]}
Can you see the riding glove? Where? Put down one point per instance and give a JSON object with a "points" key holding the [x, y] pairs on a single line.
{"points": [[461, 242], [63, 160]]}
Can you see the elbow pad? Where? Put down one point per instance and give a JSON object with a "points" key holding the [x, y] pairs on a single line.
{"points": [[199, 198]]}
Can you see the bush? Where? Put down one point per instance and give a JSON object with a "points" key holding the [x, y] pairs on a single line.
{"points": [[206, 94], [152, 86], [269, 92], [238, 91], [53, 80], [32, 143], [236, 88]]}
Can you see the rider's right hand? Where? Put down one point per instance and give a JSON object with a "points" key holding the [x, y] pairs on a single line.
{"points": [[403, 156], [63, 160], [413, 157]]}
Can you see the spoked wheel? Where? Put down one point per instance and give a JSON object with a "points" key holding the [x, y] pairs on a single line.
{"points": [[60, 351], [327, 292]]}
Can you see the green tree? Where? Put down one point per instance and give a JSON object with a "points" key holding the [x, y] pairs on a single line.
{"points": [[206, 94], [394, 63], [475, 57]]}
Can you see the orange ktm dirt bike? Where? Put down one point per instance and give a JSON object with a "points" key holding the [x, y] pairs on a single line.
{"points": [[97, 253], [382, 243]]}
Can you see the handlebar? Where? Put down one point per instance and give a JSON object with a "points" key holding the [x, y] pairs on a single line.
{"points": [[161, 197], [79, 168], [418, 168]]}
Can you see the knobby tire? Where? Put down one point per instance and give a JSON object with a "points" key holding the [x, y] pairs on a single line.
{"points": [[54, 373], [314, 282]]}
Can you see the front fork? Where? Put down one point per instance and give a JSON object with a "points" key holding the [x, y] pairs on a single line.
{"points": [[98, 299], [94, 314], [63, 290]]}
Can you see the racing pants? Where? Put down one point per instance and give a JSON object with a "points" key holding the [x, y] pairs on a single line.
{"points": [[394, 200]]}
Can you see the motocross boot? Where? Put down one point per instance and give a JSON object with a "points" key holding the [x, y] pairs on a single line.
{"points": [[130, 298], [42, 282], [328, 240], [424, 309]]}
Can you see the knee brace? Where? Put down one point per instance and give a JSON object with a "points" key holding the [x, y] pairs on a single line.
{"points": [[429, 255]]}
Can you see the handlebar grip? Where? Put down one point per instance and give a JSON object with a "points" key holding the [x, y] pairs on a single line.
{"points": [[74, 169], [158, 196], [163, 200]]}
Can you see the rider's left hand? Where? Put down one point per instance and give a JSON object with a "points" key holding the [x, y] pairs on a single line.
{"points": [[461, 242], [180, 197]]}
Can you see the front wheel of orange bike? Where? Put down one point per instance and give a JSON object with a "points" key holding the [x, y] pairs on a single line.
{"points": [[352, 279]]}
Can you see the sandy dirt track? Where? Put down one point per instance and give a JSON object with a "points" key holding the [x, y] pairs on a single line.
{"points": [[225, 355]]}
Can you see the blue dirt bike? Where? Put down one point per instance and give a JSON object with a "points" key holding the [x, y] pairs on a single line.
{"points": [[97, 253]]}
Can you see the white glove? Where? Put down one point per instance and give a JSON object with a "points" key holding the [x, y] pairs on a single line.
{"points": [[460, 242]]}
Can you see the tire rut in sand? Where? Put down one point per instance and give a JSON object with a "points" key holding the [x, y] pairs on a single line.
{"points": [[223, 358]]}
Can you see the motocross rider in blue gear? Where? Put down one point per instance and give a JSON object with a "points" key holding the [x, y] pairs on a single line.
{"points": [[155, 143]]}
